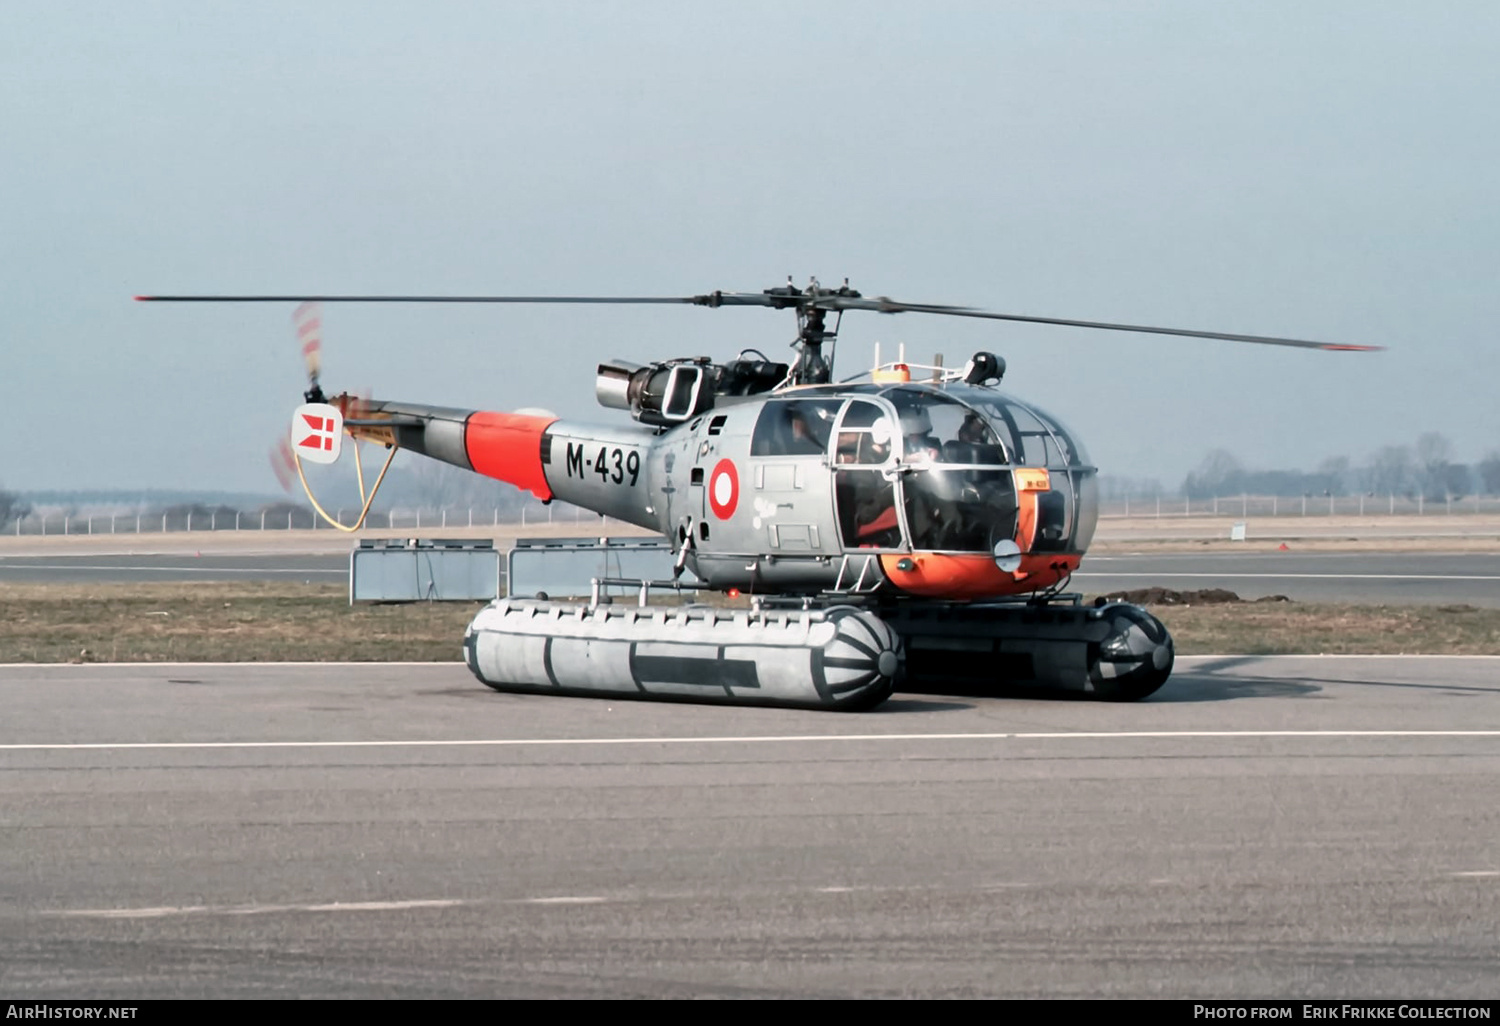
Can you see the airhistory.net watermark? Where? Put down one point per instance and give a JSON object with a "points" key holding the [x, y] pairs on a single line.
{"points": [[41, 1010]]}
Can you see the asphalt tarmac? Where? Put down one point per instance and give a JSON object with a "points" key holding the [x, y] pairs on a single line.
{"points": [[1395, 578], [1294, 827]]}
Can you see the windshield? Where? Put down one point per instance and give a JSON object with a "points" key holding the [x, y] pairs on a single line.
{"points": [[960, 510], [950, 436], [947, 460]]}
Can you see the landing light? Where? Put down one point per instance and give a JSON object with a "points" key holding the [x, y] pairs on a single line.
{"points": [[1007, 555]]}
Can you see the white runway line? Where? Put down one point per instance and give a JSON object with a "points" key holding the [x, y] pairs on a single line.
{"points": [[145, 666], [170, 569], [252, 910], [752, 739]]}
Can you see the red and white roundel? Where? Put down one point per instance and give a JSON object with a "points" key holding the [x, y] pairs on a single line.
{"points": [[723, 489]]}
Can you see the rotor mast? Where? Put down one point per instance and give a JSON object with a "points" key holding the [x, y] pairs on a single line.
{"points": [[812, 327]]}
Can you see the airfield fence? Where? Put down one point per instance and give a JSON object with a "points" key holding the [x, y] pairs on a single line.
{"points": [[82, 522], [1260, 506], [157, 522]]}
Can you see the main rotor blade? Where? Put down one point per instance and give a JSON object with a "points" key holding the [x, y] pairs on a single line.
{"points": [[709, 299], [831, 300], [891, 306], [417, 299]]}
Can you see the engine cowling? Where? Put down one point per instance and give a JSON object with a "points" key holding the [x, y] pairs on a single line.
{"points": [[674, 391]]}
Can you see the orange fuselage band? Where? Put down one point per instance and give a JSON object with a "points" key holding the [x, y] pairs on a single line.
{"points": [[962, 576], [508, 446]]}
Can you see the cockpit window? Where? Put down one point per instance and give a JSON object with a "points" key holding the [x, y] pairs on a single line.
{"points": [[938, 429], [864, 494], [1072, 452], [1037, 438], [861, 414], [794, 427], [864, 435]]}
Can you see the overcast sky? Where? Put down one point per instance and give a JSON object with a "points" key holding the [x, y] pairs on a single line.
{"points": [[1321, 169]]}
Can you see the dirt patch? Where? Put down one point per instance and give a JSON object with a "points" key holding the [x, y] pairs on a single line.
{"points": [[1170, 597]]}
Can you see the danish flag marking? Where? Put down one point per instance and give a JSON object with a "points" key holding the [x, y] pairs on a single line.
{"points": [[319, 430], [322, 436]]}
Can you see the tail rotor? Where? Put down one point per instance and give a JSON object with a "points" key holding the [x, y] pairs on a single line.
{"points": [[307, 323], [317, 426]]}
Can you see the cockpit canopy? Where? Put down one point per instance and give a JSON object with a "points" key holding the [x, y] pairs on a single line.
{"points": [[957, 424], [952, 449], [966, 425]]}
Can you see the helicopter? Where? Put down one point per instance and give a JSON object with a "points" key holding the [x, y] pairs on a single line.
{"points": [[912, 525]]}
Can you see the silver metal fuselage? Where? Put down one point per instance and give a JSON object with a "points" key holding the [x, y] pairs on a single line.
{"points": [[764, 501]]}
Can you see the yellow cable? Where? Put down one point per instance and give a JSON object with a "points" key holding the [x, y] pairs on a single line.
{"points": [[359, 469], [361, 475]]}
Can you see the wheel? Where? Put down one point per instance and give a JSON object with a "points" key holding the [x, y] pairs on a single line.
{"points": [[1135, 659]]}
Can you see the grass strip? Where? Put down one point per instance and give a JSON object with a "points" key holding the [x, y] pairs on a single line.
{"points": [[287, 622]]}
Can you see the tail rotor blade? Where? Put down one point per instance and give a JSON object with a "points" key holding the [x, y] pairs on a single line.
{"points": [[284, 464], [308, 319]]}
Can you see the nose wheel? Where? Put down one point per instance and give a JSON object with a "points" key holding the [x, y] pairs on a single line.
{"points": [[1135, 659]]}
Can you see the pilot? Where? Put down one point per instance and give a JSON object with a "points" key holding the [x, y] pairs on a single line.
{"points": [[865, 447], [809, 429], [848, 447], [975, 442], [873, 502], [802, 436], [974, 430], [916, 429], [806, 436]]}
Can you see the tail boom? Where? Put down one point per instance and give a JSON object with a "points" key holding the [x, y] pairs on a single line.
{"points": [[598, 468], [505, 446]]}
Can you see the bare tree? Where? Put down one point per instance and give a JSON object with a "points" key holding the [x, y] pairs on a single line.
{"points": [[1113, 487], [1434, 455], [436, 484], [1489, 472], [1219, 474], [1335, 474], [439, 485], [1392, 471], [12, 507]]}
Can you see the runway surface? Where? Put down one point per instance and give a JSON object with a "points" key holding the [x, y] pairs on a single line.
{"points": [[1298, 827], [1389, 578], [1397, 578], [178, 567]]}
